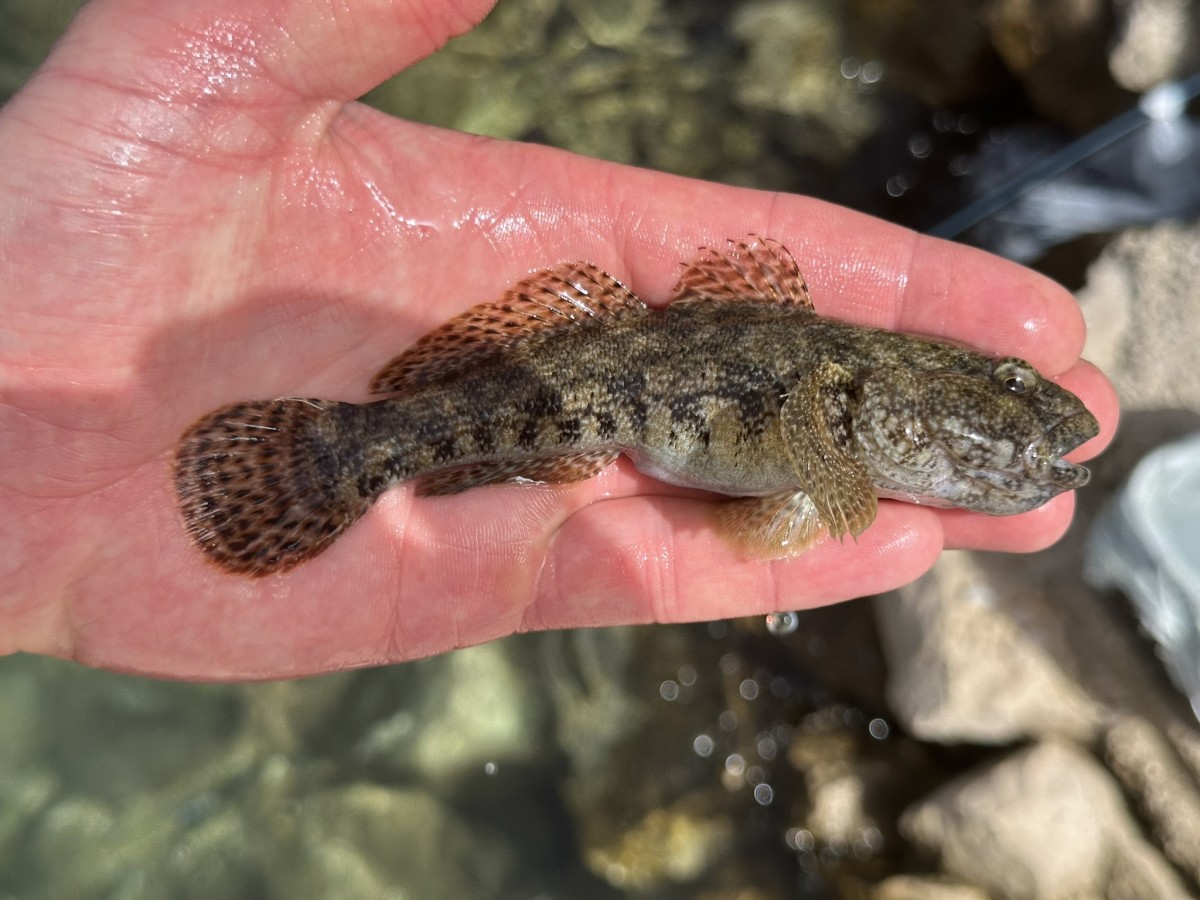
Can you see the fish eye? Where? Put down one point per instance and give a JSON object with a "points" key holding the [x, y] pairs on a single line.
{"points": [[1015, 376]]}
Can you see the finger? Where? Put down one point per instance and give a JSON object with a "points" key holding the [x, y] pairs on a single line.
{"points": [[858, 268], [646, 559], [1024, 533]]}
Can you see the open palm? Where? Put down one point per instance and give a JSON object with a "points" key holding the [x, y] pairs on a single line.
{"points": [[193, 211]]}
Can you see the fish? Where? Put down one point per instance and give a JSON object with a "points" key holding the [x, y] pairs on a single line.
{"points": [[737, 387]]}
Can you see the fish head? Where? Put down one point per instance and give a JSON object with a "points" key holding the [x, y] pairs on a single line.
{"points": [[987, 436]]}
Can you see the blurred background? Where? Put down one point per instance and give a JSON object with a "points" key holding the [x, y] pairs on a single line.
{"points": [[1002, 728]]}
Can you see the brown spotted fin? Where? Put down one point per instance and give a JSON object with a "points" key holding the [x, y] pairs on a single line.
{"points": [[559, 468], [540, 304], [753, 270], [772, 527], [816, 435], [265, 485]]}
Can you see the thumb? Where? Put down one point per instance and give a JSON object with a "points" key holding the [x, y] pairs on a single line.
{"points": [[262, 52]]}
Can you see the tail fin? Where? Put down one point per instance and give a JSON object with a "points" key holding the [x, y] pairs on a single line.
{"points": [[266, 485]]}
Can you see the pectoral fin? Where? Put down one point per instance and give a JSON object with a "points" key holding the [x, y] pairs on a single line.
{"points": [[816, 434], [771, 527]]}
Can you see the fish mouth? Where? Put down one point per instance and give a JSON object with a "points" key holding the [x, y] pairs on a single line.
{"points": [[1044, 457]]}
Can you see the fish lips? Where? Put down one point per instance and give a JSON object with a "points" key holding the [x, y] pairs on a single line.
{"points": [[1045, 456]]}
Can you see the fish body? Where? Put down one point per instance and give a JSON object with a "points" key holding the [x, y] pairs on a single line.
{"points": [[737, 387]]}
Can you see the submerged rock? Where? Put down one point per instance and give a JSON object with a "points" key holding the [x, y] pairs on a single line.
{"points": [[1046, 823]]}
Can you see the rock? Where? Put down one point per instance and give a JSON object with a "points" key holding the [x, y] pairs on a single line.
{"points": [[911, 887], [1054, 46], [632, 704], [955, 642], [1047, 822], [1165, 790], [1158, 40], [372, 841], [673, 844], [1142, 330], [467, 709], [793, 50], [938, 49]]}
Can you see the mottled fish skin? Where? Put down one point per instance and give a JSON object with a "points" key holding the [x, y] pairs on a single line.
{"points": [[737, 387]]}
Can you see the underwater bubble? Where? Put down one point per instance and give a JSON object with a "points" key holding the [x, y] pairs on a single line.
{"points": [[767, 747], [730, 663], [763, 794], [735, 764], [728, 720], [871, 72], [920, 146], [703, 746], [897, 186], [756, 775], [782, 623], [687, 675], [879, 729], [669, 690], [718, 630], [748, 689], [960, 165], [850, 68], [799, 838], [490, 768]]}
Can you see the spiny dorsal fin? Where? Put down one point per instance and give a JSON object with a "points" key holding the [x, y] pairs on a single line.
{"points": [[543, 302], [753, 270]]}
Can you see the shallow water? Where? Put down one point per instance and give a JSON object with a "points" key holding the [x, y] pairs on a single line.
{"points": [[672, 761]]}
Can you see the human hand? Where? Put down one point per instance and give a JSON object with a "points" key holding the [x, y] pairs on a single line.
{"points": [[194, 211]]}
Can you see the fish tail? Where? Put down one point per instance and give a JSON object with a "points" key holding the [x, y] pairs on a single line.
{"points": [[265, 485]]}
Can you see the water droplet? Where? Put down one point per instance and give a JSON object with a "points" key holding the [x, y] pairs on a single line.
{"points": [[782, 623]]}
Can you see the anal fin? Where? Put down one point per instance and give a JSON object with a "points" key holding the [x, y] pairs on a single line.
{"points": [[559, 468], [772, 527]]}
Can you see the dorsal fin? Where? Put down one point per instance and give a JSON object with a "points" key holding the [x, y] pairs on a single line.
{"points": [[756, 270], [565, 296]]}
